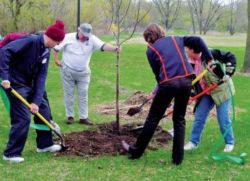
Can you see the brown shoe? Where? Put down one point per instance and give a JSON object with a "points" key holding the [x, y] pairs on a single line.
{"points": [[85, 121], [70, 120]]}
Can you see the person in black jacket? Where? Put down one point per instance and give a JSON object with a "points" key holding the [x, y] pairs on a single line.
{"points": [[174, 74], [24, 66], [220, 97]]}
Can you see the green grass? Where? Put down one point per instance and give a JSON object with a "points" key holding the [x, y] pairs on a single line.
{"points": [[154, 165]]}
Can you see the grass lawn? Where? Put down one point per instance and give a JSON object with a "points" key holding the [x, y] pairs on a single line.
{"points": [[154, 165]]}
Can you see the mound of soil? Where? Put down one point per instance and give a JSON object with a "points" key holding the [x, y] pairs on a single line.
{"points": [[136, 100], [105, 140]]}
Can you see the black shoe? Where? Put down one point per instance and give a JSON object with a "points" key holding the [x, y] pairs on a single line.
{"points": [[85, 121], [177, 162], [133, 157], [69, 120], [134, 153]]}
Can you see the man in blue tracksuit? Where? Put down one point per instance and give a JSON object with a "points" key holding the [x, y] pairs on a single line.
{"points": [[24, 66], [174, 75]]}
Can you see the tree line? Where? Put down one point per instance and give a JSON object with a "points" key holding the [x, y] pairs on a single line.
{"points": [[191, 16]]}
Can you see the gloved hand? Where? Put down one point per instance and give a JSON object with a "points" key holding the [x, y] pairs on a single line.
{"points": [[211, 66], [230, 69], [225, 78], [216, 68]]}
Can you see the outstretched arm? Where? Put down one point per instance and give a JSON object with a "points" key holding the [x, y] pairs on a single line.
{"points": [[110, 48]]}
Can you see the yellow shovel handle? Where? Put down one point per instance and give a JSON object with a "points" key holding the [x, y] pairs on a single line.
{"points": [[29, 106], [199, 76]]}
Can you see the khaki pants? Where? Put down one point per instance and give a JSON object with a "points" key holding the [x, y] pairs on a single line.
{"points": [[80, 80]]}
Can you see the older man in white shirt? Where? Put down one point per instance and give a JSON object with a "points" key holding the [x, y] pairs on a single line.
{"points": [[77, 49]]}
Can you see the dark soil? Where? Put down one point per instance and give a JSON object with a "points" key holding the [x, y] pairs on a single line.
{"points": [[105, 140]]}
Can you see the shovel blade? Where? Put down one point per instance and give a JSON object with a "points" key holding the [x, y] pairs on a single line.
{"points": [[133, 111]]}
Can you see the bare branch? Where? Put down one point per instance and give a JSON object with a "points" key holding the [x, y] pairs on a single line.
{"points": [[169, 10], [125, 14], [138, 20]]}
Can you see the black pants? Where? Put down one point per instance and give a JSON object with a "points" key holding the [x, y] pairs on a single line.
{"points": [[20, 122], [178, 89]]}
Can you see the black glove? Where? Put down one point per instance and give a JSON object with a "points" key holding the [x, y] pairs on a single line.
{"points": [[218, 71]]}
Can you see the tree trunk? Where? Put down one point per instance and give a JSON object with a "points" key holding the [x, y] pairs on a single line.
{"points": [[118, 69], [193, 24], [246, 65], [192, 16], [166, 24], [200, 26]]}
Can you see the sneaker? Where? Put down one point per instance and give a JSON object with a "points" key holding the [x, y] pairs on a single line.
{"points": [[228, 148], [190, 146], [52, 149], [16, 159], [85, 121], [69, 120]]}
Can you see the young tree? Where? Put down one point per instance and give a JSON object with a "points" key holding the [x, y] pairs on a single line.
{"points": [[246, 65], [169, 11], [120, 19]]}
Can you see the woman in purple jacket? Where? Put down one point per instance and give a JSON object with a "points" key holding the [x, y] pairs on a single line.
{"points": [[174, 76]]}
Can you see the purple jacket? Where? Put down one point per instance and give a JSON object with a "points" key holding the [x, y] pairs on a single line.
{"points": [[168, 60]]}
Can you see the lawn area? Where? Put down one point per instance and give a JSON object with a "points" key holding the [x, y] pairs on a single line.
{"points": [[154, 165]]}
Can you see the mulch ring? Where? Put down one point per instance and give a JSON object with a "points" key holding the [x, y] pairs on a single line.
{"points": [[104, 140]]}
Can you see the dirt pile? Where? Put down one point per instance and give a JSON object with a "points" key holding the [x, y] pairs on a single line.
{"points": [[133, 101], [105, 140]]}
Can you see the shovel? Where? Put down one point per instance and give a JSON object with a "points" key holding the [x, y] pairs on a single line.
{"points": [[134, 110], [62, 143], [137, 128]]}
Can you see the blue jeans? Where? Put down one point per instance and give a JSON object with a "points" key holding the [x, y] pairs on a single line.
{"points": [[201, 114]]}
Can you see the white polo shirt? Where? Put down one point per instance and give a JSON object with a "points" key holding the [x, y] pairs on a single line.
{"points": [[76, 54]]}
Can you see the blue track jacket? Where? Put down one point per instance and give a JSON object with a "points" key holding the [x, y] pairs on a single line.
{"points": [[24, 62]]}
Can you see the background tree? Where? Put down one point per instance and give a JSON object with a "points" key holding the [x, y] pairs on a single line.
{"points": [[246, 65], [192, 15], [206, 13], [241, 16], [232, 22], [12, 10], [169, 11]]}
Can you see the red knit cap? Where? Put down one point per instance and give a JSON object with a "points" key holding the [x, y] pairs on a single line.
{"points": [[56, 31]]}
